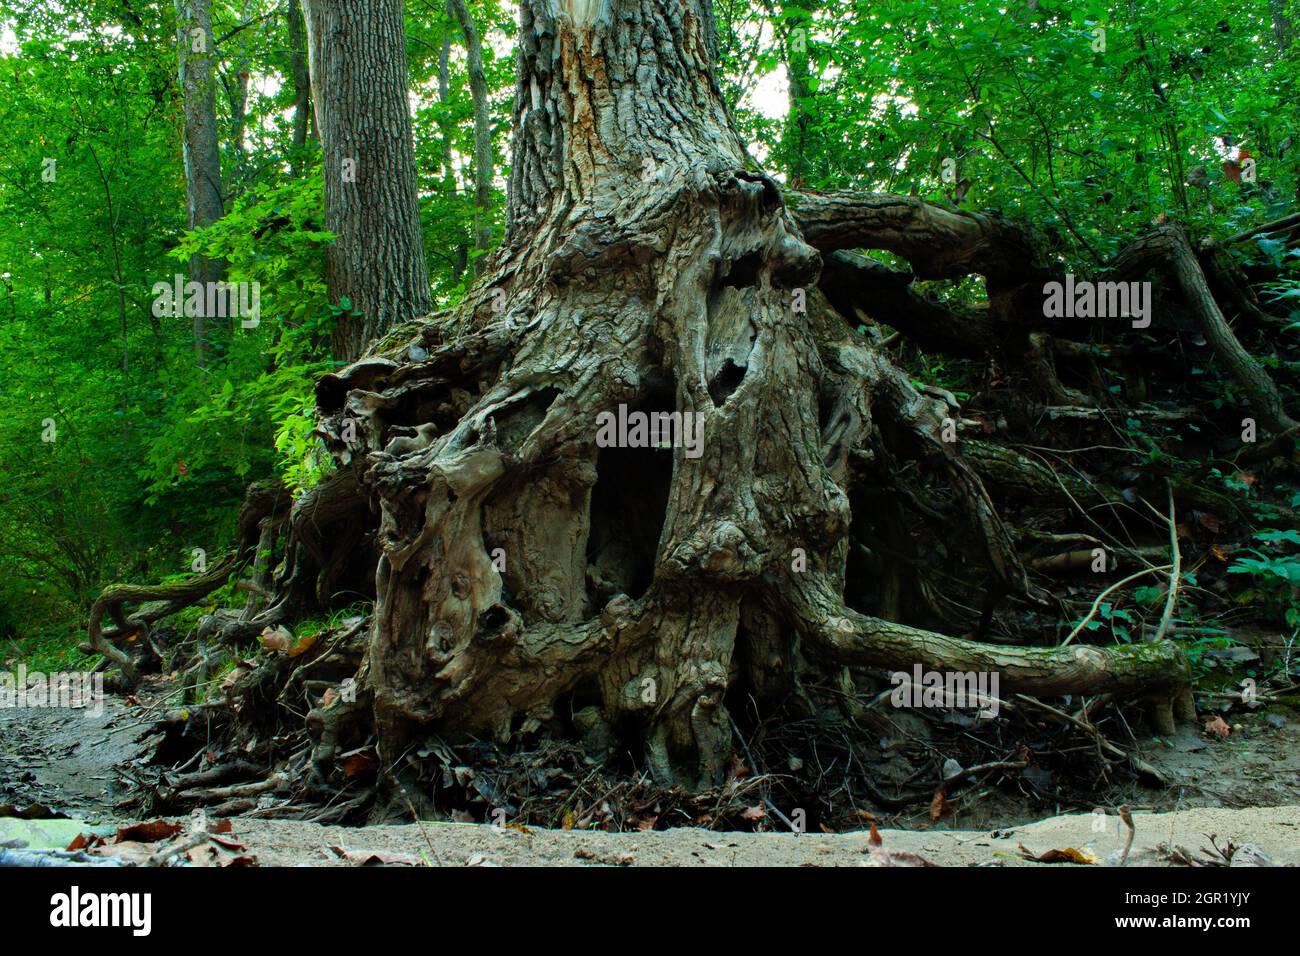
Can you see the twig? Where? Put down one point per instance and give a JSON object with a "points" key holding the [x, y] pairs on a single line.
{"points": [[1174, 573], [1102, 596], [1127, 817]]}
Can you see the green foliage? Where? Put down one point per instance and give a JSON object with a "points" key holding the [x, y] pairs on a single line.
{"points": [[1087, 134], [1274, 572], [260, 396], [153, 451]]}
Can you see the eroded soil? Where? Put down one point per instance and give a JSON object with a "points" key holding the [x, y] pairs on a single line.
{"points": [[1243, 789]]}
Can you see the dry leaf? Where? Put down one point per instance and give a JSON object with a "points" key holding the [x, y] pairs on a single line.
{"points": [[304, 644], [359, 761], [874, 838], [276, 639], [1216, 725], [150, 832], [1068, 855], [279, 639], [878, 857], [375, 857], [938, 805]]}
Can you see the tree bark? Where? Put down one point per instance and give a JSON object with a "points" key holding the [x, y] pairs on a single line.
{"points": [[205, 202], [528, 568], [647, 264], [357, 57]]}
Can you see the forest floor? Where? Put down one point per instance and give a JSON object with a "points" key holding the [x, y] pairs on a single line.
{"points": [[1242, 790]]}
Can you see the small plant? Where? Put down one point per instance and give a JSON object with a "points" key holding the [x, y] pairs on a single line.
{"points": [[1275, 576]]}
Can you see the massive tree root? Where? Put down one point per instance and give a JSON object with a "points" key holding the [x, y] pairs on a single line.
{"points": [[527, 573]]}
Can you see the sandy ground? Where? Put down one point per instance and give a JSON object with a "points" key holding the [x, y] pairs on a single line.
{"points": [[1242, 789], [1275, 830]]}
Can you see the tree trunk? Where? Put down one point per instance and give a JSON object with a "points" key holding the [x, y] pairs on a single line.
{"points": [[205, 202], [300, 77], [357, 57], [526, 571], [446, 128], [484, 166]]}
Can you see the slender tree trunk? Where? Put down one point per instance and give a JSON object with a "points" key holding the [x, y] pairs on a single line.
{"points": [[300, 78], [484, 163], [446, 128], [1283, 28], [357, 56], [794, 27], [204, 196]]}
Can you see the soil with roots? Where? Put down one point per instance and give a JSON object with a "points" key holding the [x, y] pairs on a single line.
{"points": [[68, 766]]}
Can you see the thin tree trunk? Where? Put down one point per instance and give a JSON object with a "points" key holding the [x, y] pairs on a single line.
{"points": [[460, 251], [1283, 28], [484, 165], [300, 78], [204, 197]]}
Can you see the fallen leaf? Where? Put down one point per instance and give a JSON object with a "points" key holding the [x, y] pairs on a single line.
{"points": [[938, 805], [375, 857], [879, 857], [1217, 725], [358, 762], [1068, 855], [304, 644], [150, 832], [874, 838], [276, 639]]}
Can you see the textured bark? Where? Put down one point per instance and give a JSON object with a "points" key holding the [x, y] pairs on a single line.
{"points": [[525, 571], [357, 57], [1167, 247], [205, 203]]}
